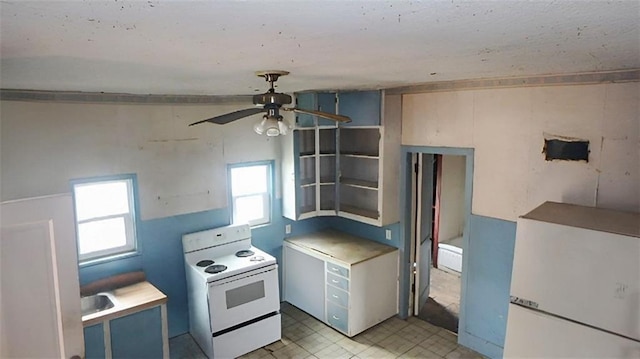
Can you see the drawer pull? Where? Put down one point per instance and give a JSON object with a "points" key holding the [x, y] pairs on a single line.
{"points": [[335, 296], [335, 269], [335, 281], [334, 317]]}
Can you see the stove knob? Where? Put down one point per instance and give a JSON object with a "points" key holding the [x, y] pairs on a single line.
{"points": [[257, 258]]}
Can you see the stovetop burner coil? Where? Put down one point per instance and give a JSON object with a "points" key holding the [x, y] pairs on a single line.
{"points": [[205, 263], [244, 253], [216, 268]]}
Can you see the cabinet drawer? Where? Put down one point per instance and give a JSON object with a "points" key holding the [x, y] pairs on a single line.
{"points": [[337, 317], [336, 269], [336, 281], [338, 296]]}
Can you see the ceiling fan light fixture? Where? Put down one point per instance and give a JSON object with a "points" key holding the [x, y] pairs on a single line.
{"points": [[268, 125], [284, 127]]}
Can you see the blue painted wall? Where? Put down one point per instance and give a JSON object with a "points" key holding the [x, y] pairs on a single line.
{"points": [[367, 231], [162, 259], [490, 251]]}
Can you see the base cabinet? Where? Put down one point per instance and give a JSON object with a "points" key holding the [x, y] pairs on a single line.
{"points": [[94, 342], [338, 290], [138, 335], [304, 281]]}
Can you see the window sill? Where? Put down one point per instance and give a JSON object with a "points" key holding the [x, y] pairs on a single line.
{"points": [[92, 262]]}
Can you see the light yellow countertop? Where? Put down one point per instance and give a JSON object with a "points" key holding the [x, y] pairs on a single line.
{"points": [[341, 246], [127, 300]]}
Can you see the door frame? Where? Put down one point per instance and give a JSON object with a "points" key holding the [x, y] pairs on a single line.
{"points": [[406, 198]]}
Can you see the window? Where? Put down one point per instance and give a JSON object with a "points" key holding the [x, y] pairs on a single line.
{"points": [[105, 218], [250, 187]]}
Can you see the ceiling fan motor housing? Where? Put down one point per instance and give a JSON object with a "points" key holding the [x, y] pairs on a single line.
{"points": [[272, 98]]}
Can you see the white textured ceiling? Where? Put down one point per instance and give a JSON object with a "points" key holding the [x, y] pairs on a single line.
{"points": [[214, 47]]}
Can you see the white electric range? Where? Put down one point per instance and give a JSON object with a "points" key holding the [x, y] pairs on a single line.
{"points": [[234, 296]]}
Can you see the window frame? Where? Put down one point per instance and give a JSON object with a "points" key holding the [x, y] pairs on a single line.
{"points": [[132, 245], [267, 196]]}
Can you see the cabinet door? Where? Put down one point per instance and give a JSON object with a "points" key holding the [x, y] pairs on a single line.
{"points": [[363, 107], [326, 103], [48, 258], [305, 101], [304, 281], [138, 335], [94, 342], [30, 319]]}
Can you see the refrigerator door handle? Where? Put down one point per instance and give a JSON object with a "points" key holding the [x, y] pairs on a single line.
{"points": [[524, 302]]}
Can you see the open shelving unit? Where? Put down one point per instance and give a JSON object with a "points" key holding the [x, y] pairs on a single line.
{"points": [[341, 169]]}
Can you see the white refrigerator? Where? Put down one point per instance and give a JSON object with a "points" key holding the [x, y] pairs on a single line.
{"points": [[575, 284]]}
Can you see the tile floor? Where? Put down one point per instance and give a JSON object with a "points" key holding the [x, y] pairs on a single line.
{"points": [[305, 337]]}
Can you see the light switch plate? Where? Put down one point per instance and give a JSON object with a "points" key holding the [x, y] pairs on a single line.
{"points": [[287, 229], [387, 234]]}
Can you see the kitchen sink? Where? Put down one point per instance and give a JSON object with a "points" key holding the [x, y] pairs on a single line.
{"points": [[95, 303]]}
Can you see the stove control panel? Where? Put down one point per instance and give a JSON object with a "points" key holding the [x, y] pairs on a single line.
{"points": [[215, 237]]}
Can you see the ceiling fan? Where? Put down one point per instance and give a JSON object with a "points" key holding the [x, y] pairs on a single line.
{"points": [[272, 123]]}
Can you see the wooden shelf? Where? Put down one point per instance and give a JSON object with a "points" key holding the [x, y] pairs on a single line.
{"points": [[358, 211], [306, 182], [373, 156], [359, 183]]}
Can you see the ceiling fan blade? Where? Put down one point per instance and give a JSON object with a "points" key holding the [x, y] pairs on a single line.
{"points": [[331, 116], [231, 116]]}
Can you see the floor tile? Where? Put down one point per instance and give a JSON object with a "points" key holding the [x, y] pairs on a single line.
{"points": [[376, 353], [314, 343], [419, 352], [376, 334], [463, 353], [355, 345], [415, 334], [396, 344], [334, 351], [394, 324], [330, 334], [439, 345], [296, 331], [304, 337], [313, 323], [257, 354], [291, 351], [287, 320], [422, 324]]}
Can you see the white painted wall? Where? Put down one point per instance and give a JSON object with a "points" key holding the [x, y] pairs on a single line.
{"points": [[452, 198], [180, 169], [506, 128]]}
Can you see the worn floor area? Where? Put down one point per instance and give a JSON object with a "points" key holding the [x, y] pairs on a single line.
{"points": [[443, 306], [305, 337]]}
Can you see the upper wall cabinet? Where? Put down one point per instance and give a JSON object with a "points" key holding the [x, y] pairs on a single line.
{"points": [[316, 101], [350, 171], [363, 107]]}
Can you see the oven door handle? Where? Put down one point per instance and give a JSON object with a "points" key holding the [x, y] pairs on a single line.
{"points": [[244, 275]]}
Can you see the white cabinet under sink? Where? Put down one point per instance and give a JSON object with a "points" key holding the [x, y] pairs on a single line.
{"points": [[351, 170], [333, 276]]}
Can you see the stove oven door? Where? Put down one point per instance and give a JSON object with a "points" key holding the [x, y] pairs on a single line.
{"points": [[244, 297]]}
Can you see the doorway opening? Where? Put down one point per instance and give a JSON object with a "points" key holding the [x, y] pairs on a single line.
{"points": [[439, 213]]}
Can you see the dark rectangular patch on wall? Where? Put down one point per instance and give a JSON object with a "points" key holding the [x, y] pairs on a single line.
{"points": [[555, 149]]}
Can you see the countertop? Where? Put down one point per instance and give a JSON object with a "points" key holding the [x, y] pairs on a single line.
{"points": [[127, 300], [341, 246]]}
